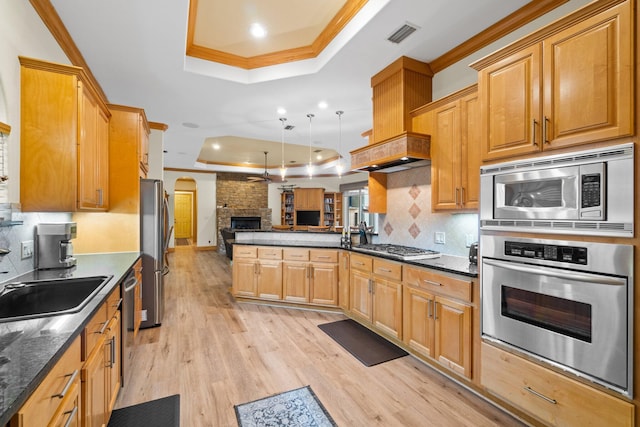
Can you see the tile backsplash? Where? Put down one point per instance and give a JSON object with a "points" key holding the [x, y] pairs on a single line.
{"points": [[410, 222], [11, 236]]}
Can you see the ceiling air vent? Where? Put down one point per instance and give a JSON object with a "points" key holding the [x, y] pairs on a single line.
{"points": [[402, 33]]}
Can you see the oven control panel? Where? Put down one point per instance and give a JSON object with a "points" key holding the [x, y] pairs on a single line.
{"points": [[570, 254]]}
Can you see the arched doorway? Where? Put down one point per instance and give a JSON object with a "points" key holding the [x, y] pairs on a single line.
{"points": [[185, 212]]}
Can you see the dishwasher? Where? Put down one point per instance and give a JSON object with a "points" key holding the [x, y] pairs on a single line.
{"points": [[129, 287]]}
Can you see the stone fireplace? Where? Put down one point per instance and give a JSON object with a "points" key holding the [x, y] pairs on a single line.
{"points": [[242, 218]]}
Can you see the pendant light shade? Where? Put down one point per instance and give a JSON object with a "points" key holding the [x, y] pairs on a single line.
{"points": [[339, 167], [310, 165], [283, 170]]}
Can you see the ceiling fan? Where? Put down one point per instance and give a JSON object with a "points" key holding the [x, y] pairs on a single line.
{"points": [[265, 177]]}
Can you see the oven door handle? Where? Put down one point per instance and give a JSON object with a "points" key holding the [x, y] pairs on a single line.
{"points": [[573, 276]]}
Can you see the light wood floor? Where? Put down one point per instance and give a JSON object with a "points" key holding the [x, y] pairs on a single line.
{"points": [[217, 353]]}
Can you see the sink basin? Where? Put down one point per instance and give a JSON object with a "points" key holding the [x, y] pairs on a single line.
{"points": [[40, 298]]}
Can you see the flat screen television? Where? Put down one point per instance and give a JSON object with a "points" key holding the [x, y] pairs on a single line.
{"points": [[308, 217]]}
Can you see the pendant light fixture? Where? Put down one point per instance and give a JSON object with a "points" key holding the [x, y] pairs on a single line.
{"points": [[310, 165], [339, 167], [283, 170]]}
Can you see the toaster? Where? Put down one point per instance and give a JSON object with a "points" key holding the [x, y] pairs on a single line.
{"points": [[473, 253]]}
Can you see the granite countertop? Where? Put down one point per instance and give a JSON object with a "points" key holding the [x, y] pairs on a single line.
{"points": [[30, 348], [448, 263]]}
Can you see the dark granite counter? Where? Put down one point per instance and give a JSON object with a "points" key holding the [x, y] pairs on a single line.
{"points": [[448, 263], [30, 348]]}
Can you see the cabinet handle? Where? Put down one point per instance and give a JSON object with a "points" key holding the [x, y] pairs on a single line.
{"points": [[323, 256], [456, 197], [429, 282], [67, 385], [72, 414], [386, 270], [540, 395], [429, 308], [311, 272], [102, 329], [99, 190], [545, 139], [116, 305], [129, 287], [112, 343], [358, 263], [435, 310], [533, 131], [461, 196], [296, 256]]}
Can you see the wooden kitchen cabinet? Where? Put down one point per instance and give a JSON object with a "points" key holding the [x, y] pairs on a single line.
{"points": [[64, 140], [438, 318], [454, 125], [310, 276], [101, 343], [269, 273], [548, 396], [343, 280], [128, 140], [56, 400], [570, 83], [308, 199], [376, 293]]}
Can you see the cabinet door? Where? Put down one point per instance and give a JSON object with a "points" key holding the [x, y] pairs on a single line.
{"points": [[68, 414], [588, 80], [387, 307], [343, 280], [244, 277], [94, 399], [295, 281], [445, 154], [91, 134], [510, 92], [113, 345], [360, 296], [470, 134], [453, 335], [269, 279], [323, 288], [102, 161], [418, 320], [143, 147]]}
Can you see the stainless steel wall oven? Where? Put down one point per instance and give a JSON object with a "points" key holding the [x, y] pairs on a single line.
{"points": [[565, 303]]}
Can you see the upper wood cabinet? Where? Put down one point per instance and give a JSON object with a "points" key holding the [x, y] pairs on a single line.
{"points": [[64, 162], [454, 125], [128, 139], [570, 83], [308, 199]]}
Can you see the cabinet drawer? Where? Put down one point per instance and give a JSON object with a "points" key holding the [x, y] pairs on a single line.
{"points": [[387, 269], [244, 251], [269, 253], [360, 262], [549, 396], [50, 394], [296, 254], [94, 331], [440, 283], [320, 255], [113, 302]]}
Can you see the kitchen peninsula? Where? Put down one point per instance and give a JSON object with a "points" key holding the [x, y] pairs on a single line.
{"points": [[428, 306]]}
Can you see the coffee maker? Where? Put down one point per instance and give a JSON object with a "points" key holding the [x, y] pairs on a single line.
{"points": [[53, 245]]}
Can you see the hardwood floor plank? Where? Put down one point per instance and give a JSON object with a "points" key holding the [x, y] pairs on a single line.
{"points": [[217, 353]]}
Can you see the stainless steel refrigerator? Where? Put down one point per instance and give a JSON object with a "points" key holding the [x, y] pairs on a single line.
{"points": [[153, 222]]}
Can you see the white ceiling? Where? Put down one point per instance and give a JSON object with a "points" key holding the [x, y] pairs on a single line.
{"points": [[136, 50]]}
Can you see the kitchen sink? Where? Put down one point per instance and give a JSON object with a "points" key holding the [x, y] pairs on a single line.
{"points": [[41, 298]]}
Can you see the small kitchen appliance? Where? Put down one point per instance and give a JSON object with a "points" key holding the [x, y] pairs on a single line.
{"points": [[53, 247], [473, 253]]}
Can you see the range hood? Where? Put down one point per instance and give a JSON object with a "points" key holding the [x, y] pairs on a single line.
{"points": [[404, 151]]}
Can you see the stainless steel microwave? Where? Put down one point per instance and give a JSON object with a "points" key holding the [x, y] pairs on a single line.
{"points": [[587, 192]]}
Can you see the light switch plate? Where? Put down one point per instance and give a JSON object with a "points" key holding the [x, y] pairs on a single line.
{"points": [[439, 237], [26, 249]]}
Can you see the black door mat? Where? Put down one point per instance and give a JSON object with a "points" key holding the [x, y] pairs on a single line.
{"points": [[365, 345], [164, 412]]}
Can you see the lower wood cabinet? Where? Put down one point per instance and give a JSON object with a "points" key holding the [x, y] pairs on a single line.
{"points": [[56, 400], [343, 280], [376, 293], [435, 324], [550, 397]]}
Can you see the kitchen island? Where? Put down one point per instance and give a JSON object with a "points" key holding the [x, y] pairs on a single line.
{"points": [[30, 348]]}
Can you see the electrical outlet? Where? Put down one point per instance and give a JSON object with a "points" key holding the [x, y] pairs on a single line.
{"points": [[26, 249], [439, 237], [143, 315], [470, 238]]}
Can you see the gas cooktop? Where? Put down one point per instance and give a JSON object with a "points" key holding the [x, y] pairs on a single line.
{"points": [[405, 253]]}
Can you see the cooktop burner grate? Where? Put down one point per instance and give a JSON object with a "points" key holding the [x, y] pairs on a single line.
{"points": [[398, 251]]}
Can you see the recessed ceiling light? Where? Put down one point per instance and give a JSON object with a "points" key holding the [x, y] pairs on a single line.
{"points": [[190, 125], [257, 31], [282, 111], [216, 146], [322, 105]]}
